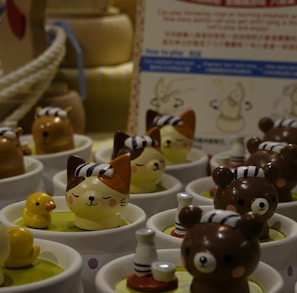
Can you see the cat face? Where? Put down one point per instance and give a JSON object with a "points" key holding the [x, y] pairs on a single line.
{"points": [[177, 134], [147, 160], [97, 193]]}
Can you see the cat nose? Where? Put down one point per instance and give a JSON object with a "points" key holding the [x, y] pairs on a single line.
{"points": [[45, 134], [91, 198], [168, 141], [156, 166]]}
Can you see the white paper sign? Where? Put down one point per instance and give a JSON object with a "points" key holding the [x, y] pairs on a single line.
{"points": [[232, 61]]}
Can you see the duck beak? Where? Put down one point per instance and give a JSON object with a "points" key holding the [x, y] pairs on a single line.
{"points": [[50, 206]]}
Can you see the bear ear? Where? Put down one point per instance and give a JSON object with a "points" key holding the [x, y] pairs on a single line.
{"points": [[189, 216], [150, 116], [154, 133], [222, 176], [265, 124], [271, 171], [189, 120], [253, 143], [251, 225], [289, 153], [118, 143]]}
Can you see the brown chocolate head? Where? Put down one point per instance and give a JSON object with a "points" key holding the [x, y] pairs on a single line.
{"points": [[221, 248]]}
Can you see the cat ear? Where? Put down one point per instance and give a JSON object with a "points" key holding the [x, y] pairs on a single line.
{"points": [[120, 180], [118, 143], [150, 116], [189, 123], [72, 163], [154, 133]]}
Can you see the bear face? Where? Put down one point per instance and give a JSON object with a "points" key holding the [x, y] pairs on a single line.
{"points": [[281, 130], [283, 155], [52, 130], [221, 249], [247, 188]]}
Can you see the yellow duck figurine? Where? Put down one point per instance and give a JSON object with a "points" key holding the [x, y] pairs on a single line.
{"points": [[36, 214], [22, 250]]}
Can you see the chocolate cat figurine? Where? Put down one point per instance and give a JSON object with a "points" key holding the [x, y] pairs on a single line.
{"points": [[147, 159], [177, 134]]}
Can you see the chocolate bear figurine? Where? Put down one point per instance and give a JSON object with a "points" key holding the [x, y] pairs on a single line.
{"points": [[221, 249], [280, 153], [281, 130], [247, 188]]}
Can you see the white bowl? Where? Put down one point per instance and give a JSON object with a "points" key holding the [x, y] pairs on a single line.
{"points": [[56, 162], [151, 203], [96, 247], [110, 275], [67, 281], [280, 254], [195, 168], [16, 188], [200, 185]]}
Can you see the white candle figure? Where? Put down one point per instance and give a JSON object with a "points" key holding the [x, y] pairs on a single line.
{"points": [[237, 152], [145, 252], [183, 199]]}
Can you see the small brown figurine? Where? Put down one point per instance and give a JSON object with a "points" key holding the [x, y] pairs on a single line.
{"points": [[52, 130], [221, 249], [281, 130], [11, 153], [247, 188], [280, 153]]}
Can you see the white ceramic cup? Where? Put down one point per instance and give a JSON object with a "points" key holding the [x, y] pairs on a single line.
{"points": [[195, 168], [17, 188], [56, 162], [96, 247], [280, 254], [151, 203], [197, 187], [110, 274], [67, 281]]}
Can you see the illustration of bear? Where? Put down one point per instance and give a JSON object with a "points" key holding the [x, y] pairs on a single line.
{"points": [[221, 249]]}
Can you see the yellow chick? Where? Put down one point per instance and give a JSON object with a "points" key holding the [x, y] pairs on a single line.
{"points": [[22, 251], [36, 214]]}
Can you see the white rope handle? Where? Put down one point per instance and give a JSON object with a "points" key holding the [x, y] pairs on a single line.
{"points": [[35, 77]]}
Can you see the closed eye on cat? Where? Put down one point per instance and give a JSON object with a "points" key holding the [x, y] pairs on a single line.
{"points": [[139, 165], [107, 197], [75, 195]]}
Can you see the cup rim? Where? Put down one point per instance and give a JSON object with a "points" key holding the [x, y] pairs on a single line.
{"points": [[101, 279], [73, 269], [27, 161], [87, 143], [140, 218]]}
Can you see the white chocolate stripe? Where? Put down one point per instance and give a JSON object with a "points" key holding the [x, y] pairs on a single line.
{"points": [[248, 171], [89, 169], [272, 146], [136, 142], [52, 111], [222, 217], [163, 120], [7, 132], [285, 122]]}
